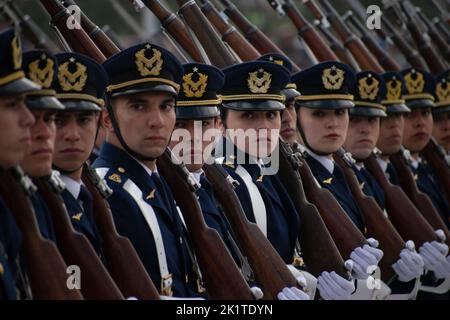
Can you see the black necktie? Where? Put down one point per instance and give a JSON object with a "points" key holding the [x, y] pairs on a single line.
{"points": [[85, 199]]}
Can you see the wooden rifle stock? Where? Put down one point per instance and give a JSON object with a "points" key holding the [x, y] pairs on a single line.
{"points": [[387, 62], [363, 56], [96, 283], [435, 156], [76, 37], [46, 268], [434, 62], [341, 52], [377, 224], [205, 33], [270, 271], [122, 260], [258, 39], [422, 202], [318, 248], [106, 46], [175, 27], [308, 33], [221, 276], [405, 217], [411, 54], [344, 232], [230, 35]]}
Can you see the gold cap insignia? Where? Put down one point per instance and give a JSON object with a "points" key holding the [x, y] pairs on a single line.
{"points": [[258, 84], [151, 195], [368, 91], [394, 89], [414, 82], [193, 88], [443, 90], [121, 170], [77, 216], [75, 80], [149, 66], [115, 177], [16, 47], [42, 76], [280, 62], [327, 181], [333, 78]]}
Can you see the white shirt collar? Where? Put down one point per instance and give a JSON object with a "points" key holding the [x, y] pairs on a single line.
{"points": [[147, 169], [359, 165], [72, 185], [197, 174], [324, 160], [383, 164], [415, 163]]}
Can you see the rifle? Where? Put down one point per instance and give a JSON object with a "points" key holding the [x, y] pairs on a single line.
{"points": [[438, 25], [377, 224], [269, 269], [420, 199], [359, 51], [76, 37], [95, 33], [230, 35], [308, 33], [205, 33], [29, 27], [96, 283], [175, 27], [400, 208], [46, 268], [344, 232], [221, 276], [410, 53], [440, 43], [258, 39], [122, 260], [434, 62], [335, 45], [435, 156], [387, 62], [128, 19], [318, 248]]}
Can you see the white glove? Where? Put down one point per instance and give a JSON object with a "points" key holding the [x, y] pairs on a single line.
{"points": [[434, 255], [366, 259], [257, 293], [294, 293], [334, 287], [410, 265]]}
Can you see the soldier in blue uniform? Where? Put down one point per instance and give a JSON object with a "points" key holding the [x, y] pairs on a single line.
{"points": [[252, 103], [441, 112], [197, 118], [143, 84], [322, 121], [391, 127], [363, 131], [288, 129], [418, 93], [80, 86], [15, 123], [40, 66]]}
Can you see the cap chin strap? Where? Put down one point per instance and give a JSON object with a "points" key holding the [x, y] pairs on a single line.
{"points": [[302, 134], [116, 127]]}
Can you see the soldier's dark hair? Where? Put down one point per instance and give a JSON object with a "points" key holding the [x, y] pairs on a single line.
{"points": [[223, 115]]}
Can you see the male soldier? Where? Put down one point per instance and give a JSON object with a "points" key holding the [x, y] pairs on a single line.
{"points": [[251, 116], [41, 67], [143, 84], [441, 111], [362, 135], [289, 116], [322, 113], [15, 123], [80, 87], [418, 93]]}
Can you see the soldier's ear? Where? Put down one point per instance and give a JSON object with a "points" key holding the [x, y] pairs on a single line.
{"points": [[106, 121]]}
